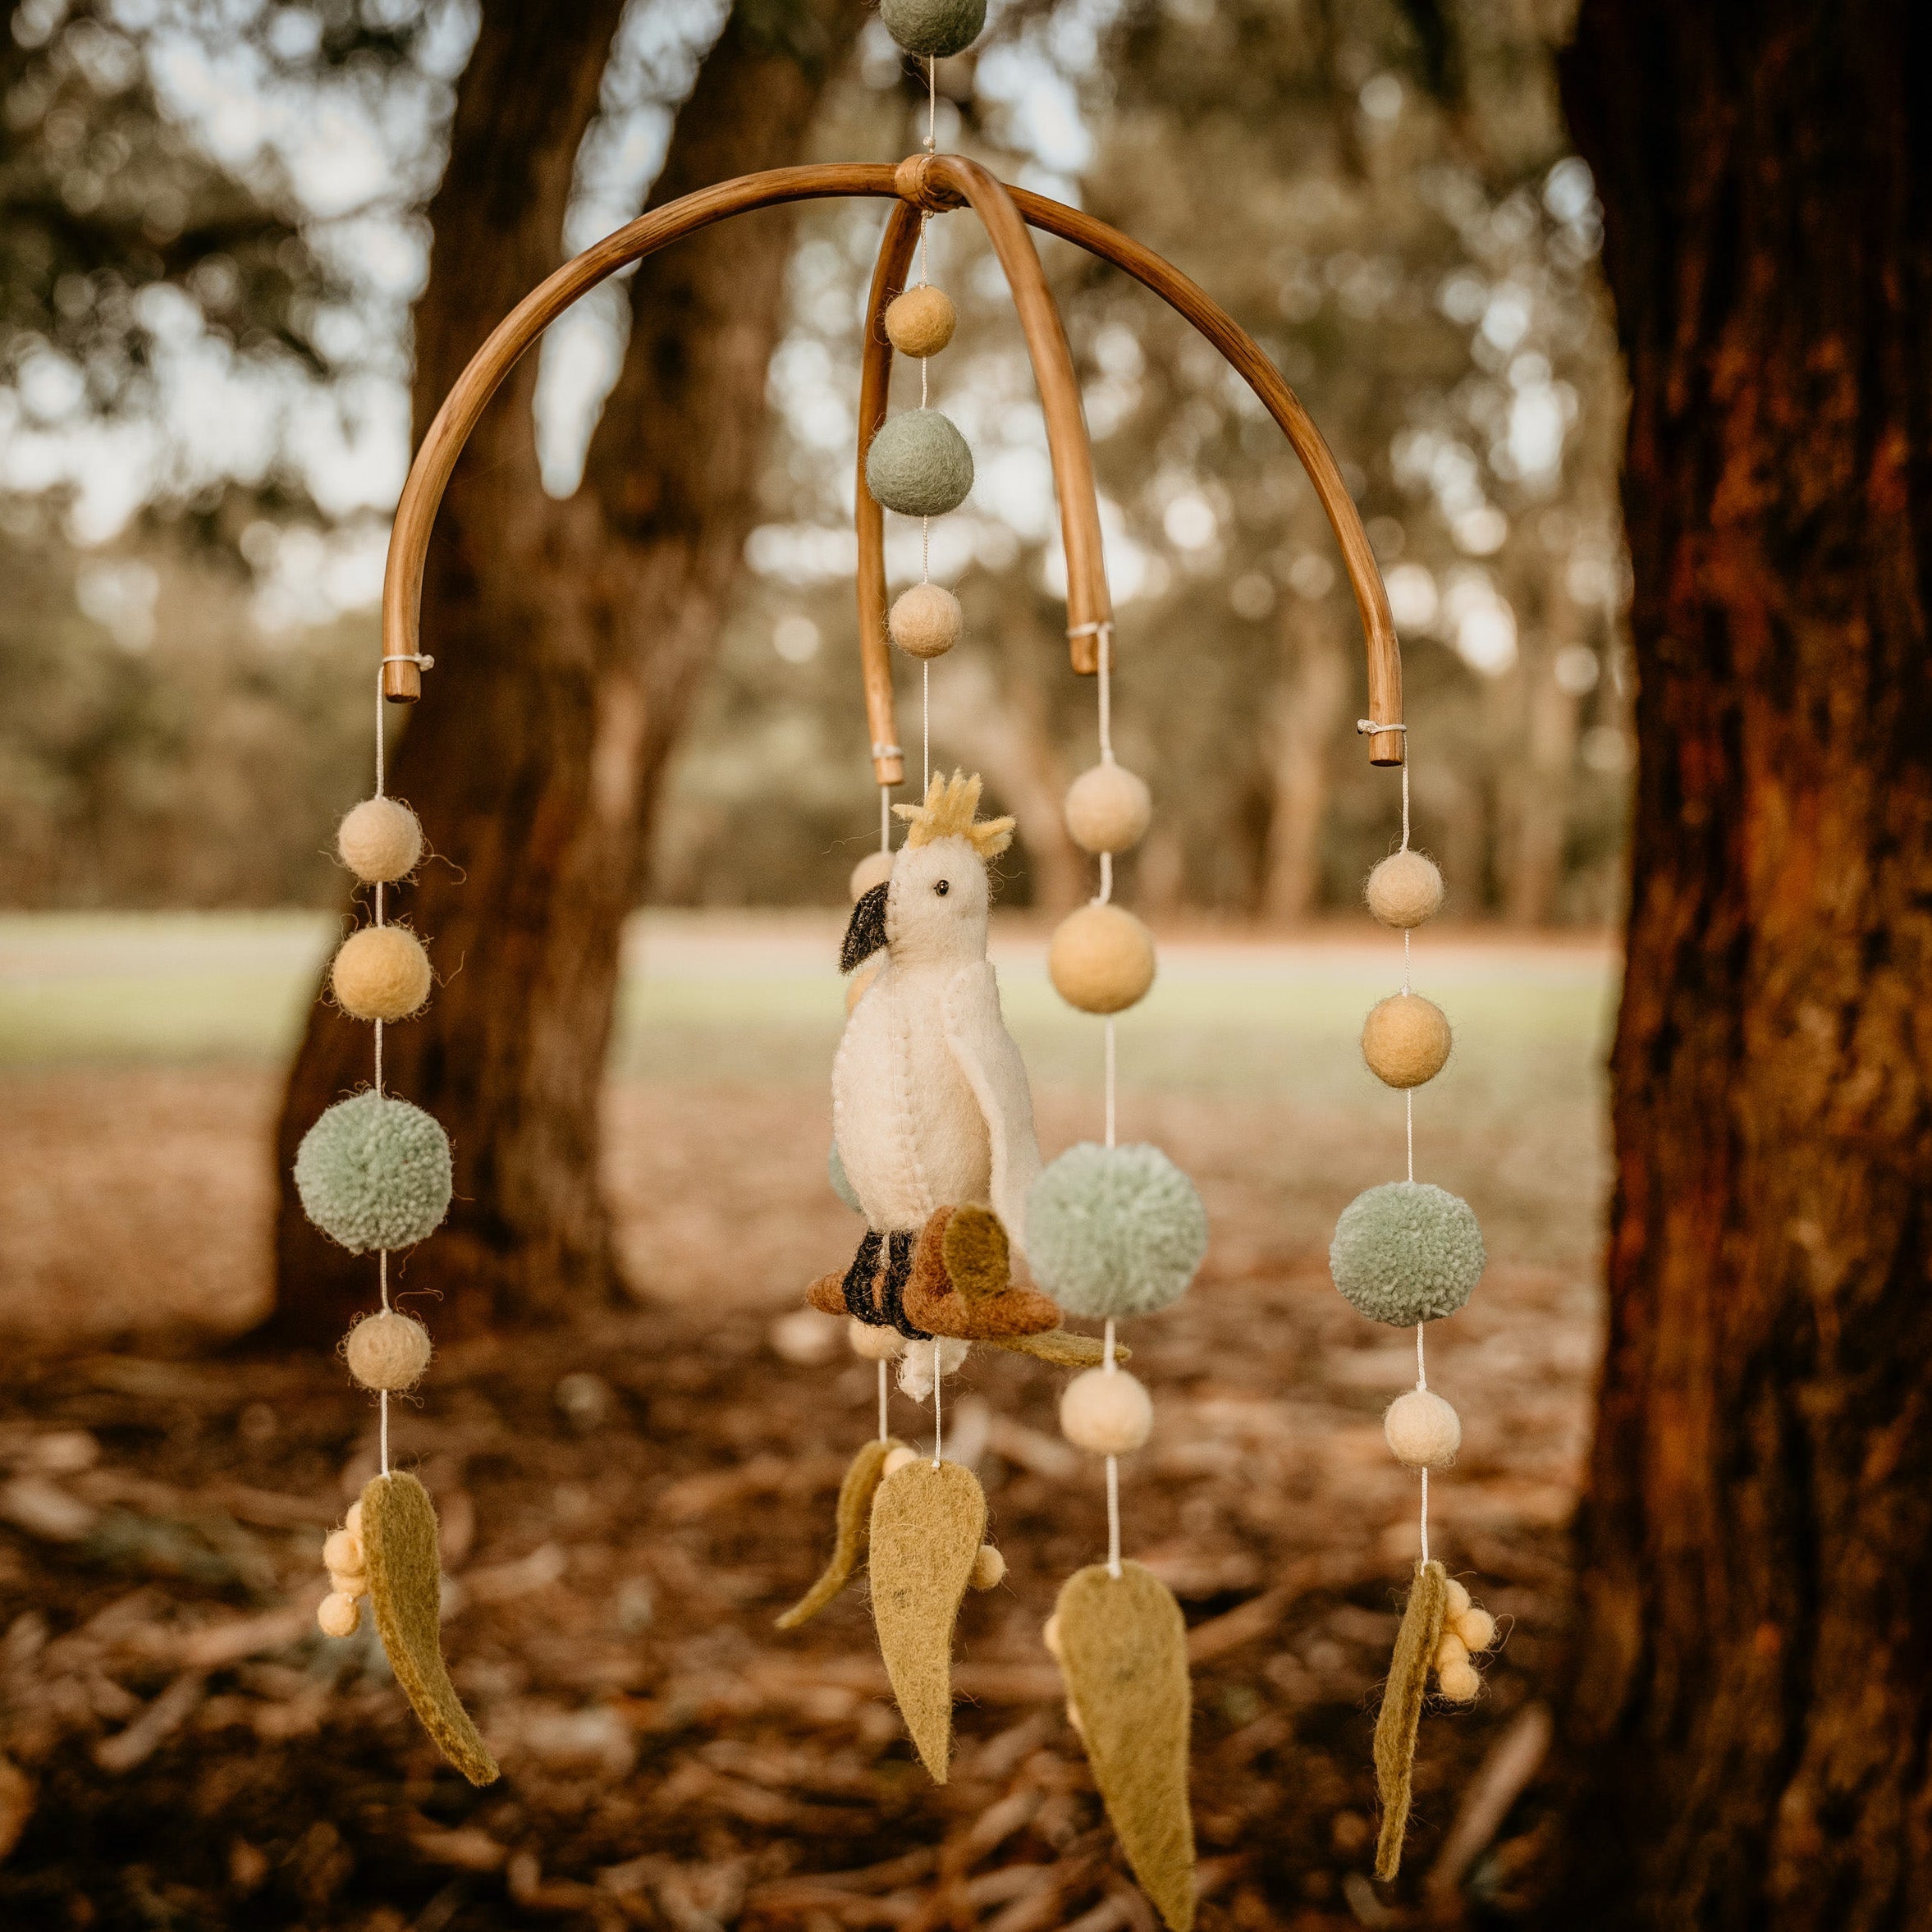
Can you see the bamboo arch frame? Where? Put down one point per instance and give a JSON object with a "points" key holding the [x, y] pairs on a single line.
{"points": [[924, 183]]}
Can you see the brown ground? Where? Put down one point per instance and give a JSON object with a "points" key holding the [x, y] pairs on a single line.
{"points": [[629, 1502]]}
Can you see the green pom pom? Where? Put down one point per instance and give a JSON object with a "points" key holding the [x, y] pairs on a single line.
{"points": [[374, 1172], [1115, 1230], [919, 464], [936, 27], [1406, 1253], [834, 1169]]}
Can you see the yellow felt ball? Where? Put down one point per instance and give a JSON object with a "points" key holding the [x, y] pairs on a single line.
{"points": [[1108, 809], [1477, 1629], [1107, 1414], [387, 1350], [926, 621], [1459, 1682], [874, 869], [1450, 1651], [873, 1344], [989, 1568], [380, 840], [338, 1613], [1404, 890], [1423, 1432], [920, 321], [380, 973], [1405, 1040], [342, 1554], [1101, 960]]}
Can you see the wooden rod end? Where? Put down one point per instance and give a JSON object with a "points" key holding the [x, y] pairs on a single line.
{"points": [[402, 679], [1385, 747], [889, 771]]}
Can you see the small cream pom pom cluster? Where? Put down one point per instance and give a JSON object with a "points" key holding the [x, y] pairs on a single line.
{"points": [[1467, 1633], [339, 1613]]}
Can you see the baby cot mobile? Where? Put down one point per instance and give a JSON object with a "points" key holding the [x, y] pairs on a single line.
{"points": [[967, 1240]]}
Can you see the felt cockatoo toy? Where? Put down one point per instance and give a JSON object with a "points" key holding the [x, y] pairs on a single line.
{"points": [[931, 1115]]}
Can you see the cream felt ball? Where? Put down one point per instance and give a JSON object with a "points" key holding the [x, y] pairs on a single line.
{"points": [[874, 869], [1107, 1414], [1455, 1599], [1423, 1431], [1108, 809], [927, 621], [386, 1350], [873, 1344], [1101, 959], [919, 464], [1407, 1251], [1459, 1682], [1404, 890], [1477, 1629], [989, 1568], [1450, 1651], [1114, 1231], [920, 321], [338, 1613], [380, 840], [897, 1459], [380, 973], [1405, 1040], [342, 1554], [935, 27], [374, 1172]]}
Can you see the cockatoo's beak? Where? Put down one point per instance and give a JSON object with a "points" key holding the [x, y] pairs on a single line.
{"points": [[865, 933]]}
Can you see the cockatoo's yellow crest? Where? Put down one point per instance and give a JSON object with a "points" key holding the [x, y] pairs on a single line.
{"points": [[947, 813]]}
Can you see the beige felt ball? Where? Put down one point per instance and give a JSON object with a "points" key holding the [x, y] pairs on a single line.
{"points": [[926, 621], [342, 1554], [1459, 1683], [1422, 1430], [1108, 808], [1101, 959], [1456, 1600], [989, 1568], [338, 1613], [1049, 1634], [897, 1459], [1450, 1650], [352, 1522], [920, 321], [1405, 1040], [1404, 890], [1109, 1414], [874, 869], [873, 1344], [380, 973], [1477, 1629], [380, 839], [387, 1350]]}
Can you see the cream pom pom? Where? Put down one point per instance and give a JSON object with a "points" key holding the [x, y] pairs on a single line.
{"points": [[1422, 1430], [874, 869], [1109, 1414], [873, 1344], [916, 1364], [1108, 809], [1049, 1634], [1477, 1629], [1404, 890], [387, 1350], [1459, 1683], [989, 1568], [382, 972], [341, 1554], [1456, 1600], [1450, 1650], [338, 1615], [895, 1460], [927, 621], [920, 321], [380, 839], [1405, 1040], [1101, 960], [352, 1522]]}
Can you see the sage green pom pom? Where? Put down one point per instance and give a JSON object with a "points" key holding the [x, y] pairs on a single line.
{"points": [[834, 1169], [374, 1172], [1407, 1251], [936, 27], [1115, 1230], [919, 464]]}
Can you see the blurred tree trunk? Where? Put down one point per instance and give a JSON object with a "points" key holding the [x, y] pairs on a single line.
{"points": [[568, 637], [1307, 711], [1748, 1728]]}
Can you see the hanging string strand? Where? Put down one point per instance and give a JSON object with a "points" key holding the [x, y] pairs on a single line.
{"points": [[938, 1409], [885, 1406]]}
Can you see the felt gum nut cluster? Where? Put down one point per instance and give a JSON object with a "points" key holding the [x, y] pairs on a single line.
{"points": [[1467, 1633], [1101, 959], [341, 1611], [380, 972]]}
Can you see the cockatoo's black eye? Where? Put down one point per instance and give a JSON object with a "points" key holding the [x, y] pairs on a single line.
{"points": [[942, 887]]}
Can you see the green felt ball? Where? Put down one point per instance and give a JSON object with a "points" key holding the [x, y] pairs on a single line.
{"points": [[936, 27], [919, 464], [1406, 1253], [834, 1169], [1115, 1230], [374, 1172]]}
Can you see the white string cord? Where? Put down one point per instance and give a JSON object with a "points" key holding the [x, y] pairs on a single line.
{"points": [[938, 1411], [884, 1415], [926, 719], [1110, 1367], [885, 818]]}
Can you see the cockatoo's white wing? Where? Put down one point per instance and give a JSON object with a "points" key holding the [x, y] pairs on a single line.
{"points": [[976, 1031]]}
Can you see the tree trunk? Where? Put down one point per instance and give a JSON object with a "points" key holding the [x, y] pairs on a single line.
{"points": [[568, 637], [1748, 1726], [1307, 711]]}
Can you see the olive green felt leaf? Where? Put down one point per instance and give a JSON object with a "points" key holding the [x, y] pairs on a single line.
{"points": [[1402, 1709], [927, 1526], [1122, 1649], [406, 1588], [1061, 1346], [854, 1519]]}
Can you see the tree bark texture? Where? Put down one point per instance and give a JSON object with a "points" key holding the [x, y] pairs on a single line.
{"points": [[569, 638], [1748, 1729]]}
